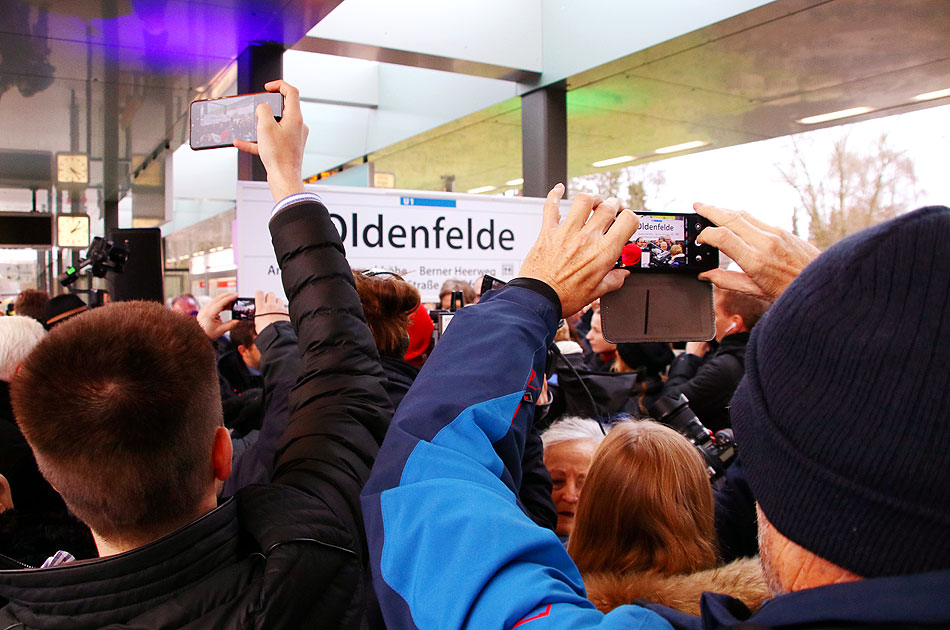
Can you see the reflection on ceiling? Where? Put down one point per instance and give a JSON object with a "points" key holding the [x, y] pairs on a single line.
{"points": [[65, 64], [748, 78]]}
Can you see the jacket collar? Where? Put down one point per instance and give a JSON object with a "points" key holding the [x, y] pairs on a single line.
{"points": [[735, 339], [909, 599], [109, 590]]}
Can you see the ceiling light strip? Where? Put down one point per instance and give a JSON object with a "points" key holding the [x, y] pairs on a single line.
{"points": [[844, 113], [686, 146], [929, 96], [612, 161], [480, 189]]}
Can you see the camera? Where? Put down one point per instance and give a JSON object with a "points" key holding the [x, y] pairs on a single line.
{"points": [[102, 257], [441, 317], [718, 450]]}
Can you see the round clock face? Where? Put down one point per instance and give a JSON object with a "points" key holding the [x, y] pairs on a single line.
{"points": [[72, 169], [72, 231]]}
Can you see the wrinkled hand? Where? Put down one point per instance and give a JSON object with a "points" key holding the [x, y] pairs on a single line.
{"points": [[209, 317], [268, 309], [699, 348], [280, 144], [770, 258], [576, 257], [6, 496]]}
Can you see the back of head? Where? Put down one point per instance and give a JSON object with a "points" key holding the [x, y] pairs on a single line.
{"points": [[243, 334], [120, 406], [647, 505], [734, 303], [388, 301], [31, 303], [18, 336], [842, 415]]}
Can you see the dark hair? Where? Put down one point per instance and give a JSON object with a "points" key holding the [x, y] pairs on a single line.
{"points": [[734, 303], [31, 303], [388, 301], [647, 505], [243, 334], [120, 405]]}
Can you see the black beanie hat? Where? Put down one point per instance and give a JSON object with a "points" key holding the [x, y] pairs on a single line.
{"points": [[61, 308], [843, 417]]}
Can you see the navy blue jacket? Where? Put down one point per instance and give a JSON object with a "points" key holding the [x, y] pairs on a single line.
{"points": [[920, 600]]}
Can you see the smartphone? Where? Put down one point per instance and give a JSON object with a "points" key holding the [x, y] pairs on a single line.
{"points": [[243, 308], [666, 243], [217, 122], [489, 283]]}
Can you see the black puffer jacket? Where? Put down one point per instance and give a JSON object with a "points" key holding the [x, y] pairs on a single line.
{"points": [[290, 554], [710, 381]]}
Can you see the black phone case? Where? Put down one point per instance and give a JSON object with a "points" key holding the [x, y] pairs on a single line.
{"points": [[659, 307]]}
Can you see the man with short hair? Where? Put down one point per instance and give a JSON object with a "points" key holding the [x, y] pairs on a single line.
{"points": [[841, 420], [707, 378], [130, 432]]}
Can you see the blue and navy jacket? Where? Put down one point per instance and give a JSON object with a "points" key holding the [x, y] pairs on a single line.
{"points": [[450, 546]]}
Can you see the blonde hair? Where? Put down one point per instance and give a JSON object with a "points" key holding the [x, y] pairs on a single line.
{"points": [[647, 505]]}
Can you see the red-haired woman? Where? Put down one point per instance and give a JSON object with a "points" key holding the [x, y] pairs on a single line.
{"points": [[644, 526], [388, 301]]}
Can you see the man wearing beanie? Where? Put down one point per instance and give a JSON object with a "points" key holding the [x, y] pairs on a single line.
{"points": [[841, 417], [843, 426]]}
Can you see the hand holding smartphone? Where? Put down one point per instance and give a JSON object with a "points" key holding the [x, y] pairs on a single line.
{"points": [[662, 299], [218, 122]]}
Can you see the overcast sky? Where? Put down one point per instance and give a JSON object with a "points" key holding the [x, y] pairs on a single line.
{"points": [[745, 177]]}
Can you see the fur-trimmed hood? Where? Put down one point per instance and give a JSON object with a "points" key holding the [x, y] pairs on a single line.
{"points": [[741, 579]]}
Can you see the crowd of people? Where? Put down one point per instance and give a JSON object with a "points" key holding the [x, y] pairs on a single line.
{"points": [[339, 462]]}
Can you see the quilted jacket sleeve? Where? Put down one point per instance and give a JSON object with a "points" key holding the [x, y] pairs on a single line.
{"points": [[339, 411]]}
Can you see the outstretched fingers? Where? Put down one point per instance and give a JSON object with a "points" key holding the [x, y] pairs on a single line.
{"points": [[624, 226], [552, 208], [580, 211]]}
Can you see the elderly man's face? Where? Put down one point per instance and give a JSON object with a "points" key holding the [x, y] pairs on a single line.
{"points": [[568, 463]]}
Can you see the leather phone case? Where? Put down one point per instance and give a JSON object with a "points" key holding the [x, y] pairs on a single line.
{"points": [[659, 307]]}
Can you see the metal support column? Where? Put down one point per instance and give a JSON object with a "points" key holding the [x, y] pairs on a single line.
{"points": [[110, 127], [544, 139], [258, 64]]}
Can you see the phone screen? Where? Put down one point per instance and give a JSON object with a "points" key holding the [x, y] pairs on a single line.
{"points": [[243, 308], [218, 122], [667, 243]]}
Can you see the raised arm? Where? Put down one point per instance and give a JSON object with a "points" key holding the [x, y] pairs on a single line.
{"points": [[450, 545], [339, 410]]}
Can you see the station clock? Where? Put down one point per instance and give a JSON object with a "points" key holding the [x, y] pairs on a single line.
{"points": [[72, 230], [72, 169]]}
